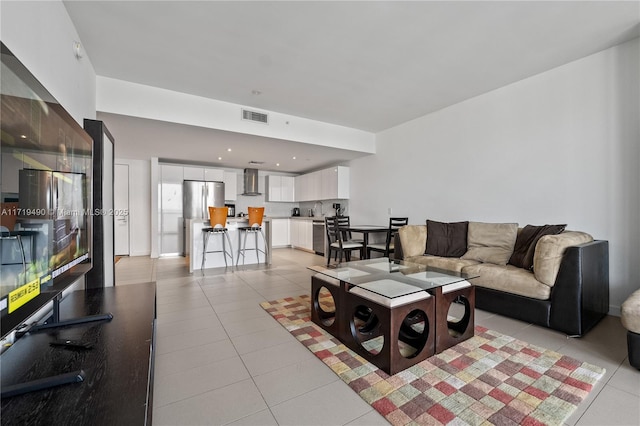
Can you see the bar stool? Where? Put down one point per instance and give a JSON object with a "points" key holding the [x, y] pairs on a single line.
{"points": [[218, 221], [255, 226]]}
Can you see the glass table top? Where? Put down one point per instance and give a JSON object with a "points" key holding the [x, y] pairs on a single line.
{"points": [[391, 278], [389, 288]]}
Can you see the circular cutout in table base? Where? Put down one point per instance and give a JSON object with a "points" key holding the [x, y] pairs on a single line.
{"points": [[325, 306], [413, 333], [458, 316]]}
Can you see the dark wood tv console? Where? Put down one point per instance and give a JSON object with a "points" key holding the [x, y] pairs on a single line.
{"points": [[117, 388]]}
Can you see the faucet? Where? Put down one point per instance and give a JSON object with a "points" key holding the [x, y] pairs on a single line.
{"points": [[316, 210]]}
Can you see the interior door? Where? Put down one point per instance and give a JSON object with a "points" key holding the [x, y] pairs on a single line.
{"points": [[121, 205]]}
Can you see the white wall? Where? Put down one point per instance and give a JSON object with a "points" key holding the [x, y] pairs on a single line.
{"points": [[559, 147], [41, 35], [139, 205]]}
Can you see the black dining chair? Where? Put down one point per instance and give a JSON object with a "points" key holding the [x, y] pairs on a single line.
{"points": [[345, 222], [387, 247], [337, 244]]}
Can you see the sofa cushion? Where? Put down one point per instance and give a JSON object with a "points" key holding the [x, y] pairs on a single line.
{"points": [[631, 312], [412, 239], [446, 239], [509, 278], [526, 243], [491, 242], [448, 263], [549, 251]]}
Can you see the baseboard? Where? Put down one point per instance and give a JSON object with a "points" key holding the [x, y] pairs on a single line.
{"points": [[615, 311]]}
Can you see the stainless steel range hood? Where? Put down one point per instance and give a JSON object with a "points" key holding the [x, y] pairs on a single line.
{"points": [[251, 182]]}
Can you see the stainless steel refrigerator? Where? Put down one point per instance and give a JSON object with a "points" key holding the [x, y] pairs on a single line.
{"points": [[197, 196], [56, 199]]}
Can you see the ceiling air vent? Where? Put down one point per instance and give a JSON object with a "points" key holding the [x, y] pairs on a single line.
{"points": [[258, 117]]}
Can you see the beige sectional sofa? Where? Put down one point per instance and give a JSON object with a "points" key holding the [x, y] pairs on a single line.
{"points": [[567, 288]]}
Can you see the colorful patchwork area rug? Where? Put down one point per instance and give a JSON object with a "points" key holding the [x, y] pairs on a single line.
{"points": [[488, 379]]}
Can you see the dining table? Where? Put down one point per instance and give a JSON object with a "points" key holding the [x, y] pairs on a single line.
{"points": [[365, 230]]}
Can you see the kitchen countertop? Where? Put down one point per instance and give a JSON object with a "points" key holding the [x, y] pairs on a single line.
{"points": [[246, 219], [237, 219], [321, 218], [267, 218]]}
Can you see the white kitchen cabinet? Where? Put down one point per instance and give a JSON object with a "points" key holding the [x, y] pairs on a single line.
{"points": [[230, 180], [193, 173], [11, 171], [329, 183], [315, 185], [307, 187], [301, 187], [280, 188], [326, 184], [335, 183], [203, 173], [294, 233], [307, 235], [273, 186], [42, 160], [214, 175], [171, 174], [302, 234], [280, 233], [288, 188]]}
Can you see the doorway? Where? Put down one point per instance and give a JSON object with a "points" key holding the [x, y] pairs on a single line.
{"points": [[121, 206]]}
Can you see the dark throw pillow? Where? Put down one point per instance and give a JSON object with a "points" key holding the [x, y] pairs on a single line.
{"points": [[526, 241], [446, 239]]}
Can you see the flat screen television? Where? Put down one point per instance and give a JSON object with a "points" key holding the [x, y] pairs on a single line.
{"points": [[45, 196]]}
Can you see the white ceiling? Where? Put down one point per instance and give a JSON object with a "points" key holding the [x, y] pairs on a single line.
{"points": [[366, 65]]}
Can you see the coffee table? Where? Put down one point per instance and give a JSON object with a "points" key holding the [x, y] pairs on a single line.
{"points": [[394, 313]]}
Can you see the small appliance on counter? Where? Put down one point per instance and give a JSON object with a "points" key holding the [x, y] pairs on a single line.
{"points": [[295, 212], [232, 210]]}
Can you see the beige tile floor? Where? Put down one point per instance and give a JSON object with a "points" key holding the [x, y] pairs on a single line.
{"points": [[220, 359]]}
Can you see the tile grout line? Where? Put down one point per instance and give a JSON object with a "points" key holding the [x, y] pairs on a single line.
{"points": [[243, 364]]}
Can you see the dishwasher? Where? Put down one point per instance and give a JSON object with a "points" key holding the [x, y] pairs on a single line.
{"points": [[318, 237]]}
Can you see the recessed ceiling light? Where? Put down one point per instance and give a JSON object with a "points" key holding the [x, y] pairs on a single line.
{"points": [[293, 158], [229, 149], [278, 164], [256, 92], [219, 158], [23, 136]]}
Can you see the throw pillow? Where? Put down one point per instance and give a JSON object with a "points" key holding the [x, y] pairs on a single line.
{"points": [[491, 242], [446, 239], [525, 247]]}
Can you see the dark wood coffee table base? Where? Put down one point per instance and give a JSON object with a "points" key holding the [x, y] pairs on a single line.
{"points": [[408, 327], [394, 333], [450, 333]]}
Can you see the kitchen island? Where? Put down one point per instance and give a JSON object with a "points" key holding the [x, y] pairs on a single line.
{"points": [[195, 242]]}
